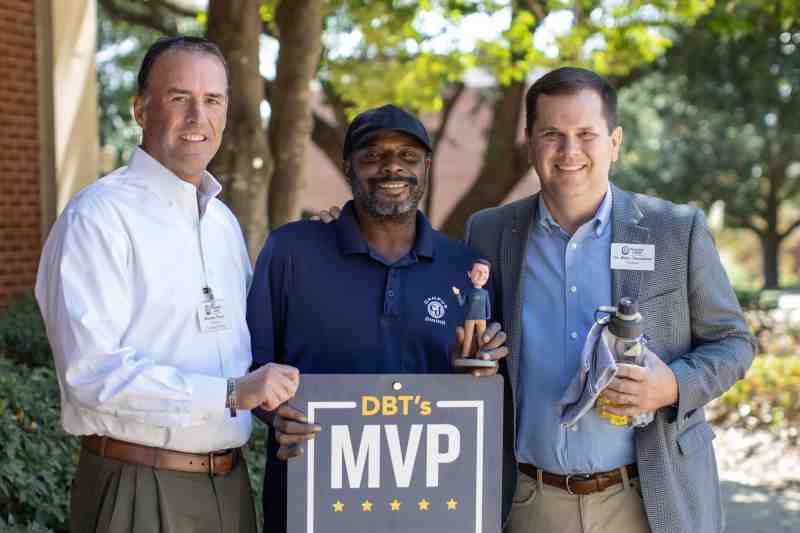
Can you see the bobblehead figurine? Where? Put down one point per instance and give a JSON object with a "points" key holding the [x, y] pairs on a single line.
{"points": [[477, 311]]}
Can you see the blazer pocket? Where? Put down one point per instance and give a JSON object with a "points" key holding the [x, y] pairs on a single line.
{"points": [[650, 297], [695, 438]]}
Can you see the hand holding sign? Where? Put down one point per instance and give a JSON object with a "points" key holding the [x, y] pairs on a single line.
{"points": [[292, 429]]}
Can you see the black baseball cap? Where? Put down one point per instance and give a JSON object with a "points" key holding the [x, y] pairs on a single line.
{"points": [[388, 117]]}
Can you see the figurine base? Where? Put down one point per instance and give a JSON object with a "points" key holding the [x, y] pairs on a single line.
{"points": [[470, 362]]}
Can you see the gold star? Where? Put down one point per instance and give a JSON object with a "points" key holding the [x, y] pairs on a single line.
{"points": [[366, 506], [338, 507], [423, 504], [451, 504], [395, 505]]}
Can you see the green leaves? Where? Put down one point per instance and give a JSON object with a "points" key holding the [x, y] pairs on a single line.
{"points": [[38, 458], [414, 82], [22, 334], [719, 121]]}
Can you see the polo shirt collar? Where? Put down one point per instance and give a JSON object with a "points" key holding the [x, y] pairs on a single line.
{"points": [[599, 222], [157, 178], [351, 241]]}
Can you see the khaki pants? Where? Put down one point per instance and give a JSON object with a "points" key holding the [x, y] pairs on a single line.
{"points": [[540, 508], [110, 496], [473, 330]]}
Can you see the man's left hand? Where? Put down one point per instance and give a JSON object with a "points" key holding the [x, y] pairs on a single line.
{"points": [[640, 389], [493, 348]]}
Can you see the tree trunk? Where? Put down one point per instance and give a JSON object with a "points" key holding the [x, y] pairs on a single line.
{"points": [[771, 237], [500, 171], [300, 29], [770, 251], [244, 163]]}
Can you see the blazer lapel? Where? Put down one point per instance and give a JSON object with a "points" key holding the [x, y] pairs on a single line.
{"points": [[514, 247], [626, 228]]}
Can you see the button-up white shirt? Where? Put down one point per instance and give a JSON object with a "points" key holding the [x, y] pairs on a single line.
{"points": [[120, 285]]}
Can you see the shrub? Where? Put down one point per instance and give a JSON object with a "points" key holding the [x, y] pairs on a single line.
{"points": [[11, 526], [38, 457], [254, 451], [748, 298], [769, 396], [22, 333]]}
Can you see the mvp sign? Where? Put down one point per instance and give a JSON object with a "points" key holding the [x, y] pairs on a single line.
{"points": [[398, 453]]}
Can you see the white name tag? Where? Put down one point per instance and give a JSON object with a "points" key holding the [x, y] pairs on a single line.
{"points": [[211, 316], [626, 256]]}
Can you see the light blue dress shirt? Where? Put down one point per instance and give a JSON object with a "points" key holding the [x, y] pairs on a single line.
{"points": [[565, 279]]}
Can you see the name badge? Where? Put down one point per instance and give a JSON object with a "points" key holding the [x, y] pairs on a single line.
{"points": [[211, 316], [625, 256]]}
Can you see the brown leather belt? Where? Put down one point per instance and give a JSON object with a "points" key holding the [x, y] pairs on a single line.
{"points": [[212, 463], [582, 484]]}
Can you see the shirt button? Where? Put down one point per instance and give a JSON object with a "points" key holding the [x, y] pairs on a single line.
{"points": [[573, 289], [573, 335], [574, 245], [390, 294]]}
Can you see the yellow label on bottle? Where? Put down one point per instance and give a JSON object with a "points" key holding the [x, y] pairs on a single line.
{"points": [[614, 420]]}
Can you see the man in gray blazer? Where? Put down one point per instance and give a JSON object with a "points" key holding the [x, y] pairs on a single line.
{"points": [[551, 255]]}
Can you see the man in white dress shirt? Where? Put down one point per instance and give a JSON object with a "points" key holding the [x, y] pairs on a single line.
{"points": [[142, 286]]}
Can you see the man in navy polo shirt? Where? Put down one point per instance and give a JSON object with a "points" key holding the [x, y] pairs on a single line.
{"points": [[369, 293]]}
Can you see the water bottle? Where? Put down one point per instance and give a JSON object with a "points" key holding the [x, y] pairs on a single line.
{"points": [[623, 336]]}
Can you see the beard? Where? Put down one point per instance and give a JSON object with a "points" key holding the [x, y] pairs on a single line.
{"points": [[367, 197]]}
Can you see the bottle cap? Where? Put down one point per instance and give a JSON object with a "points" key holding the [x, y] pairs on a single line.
{"points": [[626, 322]]}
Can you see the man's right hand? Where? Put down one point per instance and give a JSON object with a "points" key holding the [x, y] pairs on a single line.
{"points": [[292, 429], [268, 387]]}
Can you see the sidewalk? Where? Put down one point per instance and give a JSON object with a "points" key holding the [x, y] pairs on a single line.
{"points": [[758, 509], [760, 480]]}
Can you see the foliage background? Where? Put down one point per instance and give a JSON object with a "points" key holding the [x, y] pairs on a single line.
{"points": [[710, 103]]}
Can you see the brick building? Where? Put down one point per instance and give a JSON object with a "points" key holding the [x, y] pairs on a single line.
{"points": [[47, 139], [20, 207]]}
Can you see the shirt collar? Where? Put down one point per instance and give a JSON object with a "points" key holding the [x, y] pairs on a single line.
{"points": [[599, 222], [157, 178], [351, 241]]}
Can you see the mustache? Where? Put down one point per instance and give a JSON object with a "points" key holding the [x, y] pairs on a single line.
{"points": [[411, 180]]}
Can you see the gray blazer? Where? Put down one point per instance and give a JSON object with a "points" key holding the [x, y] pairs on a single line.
{"points": [[693, 321]]}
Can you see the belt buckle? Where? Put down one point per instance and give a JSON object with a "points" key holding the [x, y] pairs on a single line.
{"points": [[579, 477]]}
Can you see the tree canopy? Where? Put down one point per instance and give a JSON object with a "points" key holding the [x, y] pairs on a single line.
{"points": [[719, 121], [417, 54]]}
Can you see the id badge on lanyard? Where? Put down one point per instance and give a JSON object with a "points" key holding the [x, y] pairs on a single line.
{"points": [[211, 314]]}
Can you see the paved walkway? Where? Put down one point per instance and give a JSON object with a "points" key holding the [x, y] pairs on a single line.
{"points": [[760, 480], [754, 509]]}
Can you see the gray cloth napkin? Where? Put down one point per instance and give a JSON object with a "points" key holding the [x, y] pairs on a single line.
{"points": [[597, 369]]}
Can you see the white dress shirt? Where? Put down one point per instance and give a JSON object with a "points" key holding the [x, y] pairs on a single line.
{"points": [[120, 286]]}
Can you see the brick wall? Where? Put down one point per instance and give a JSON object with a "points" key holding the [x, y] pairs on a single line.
{"points": [[20, 239]]}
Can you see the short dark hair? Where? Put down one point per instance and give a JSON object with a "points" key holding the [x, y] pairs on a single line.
{"points": [[482, 261], [571, 80], [186, 43]]}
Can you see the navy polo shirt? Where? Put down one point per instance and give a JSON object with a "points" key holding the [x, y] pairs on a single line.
{"points": [[322, 301]]}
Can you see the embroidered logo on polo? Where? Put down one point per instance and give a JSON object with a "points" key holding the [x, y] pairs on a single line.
{"points": [[436, 310]]}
